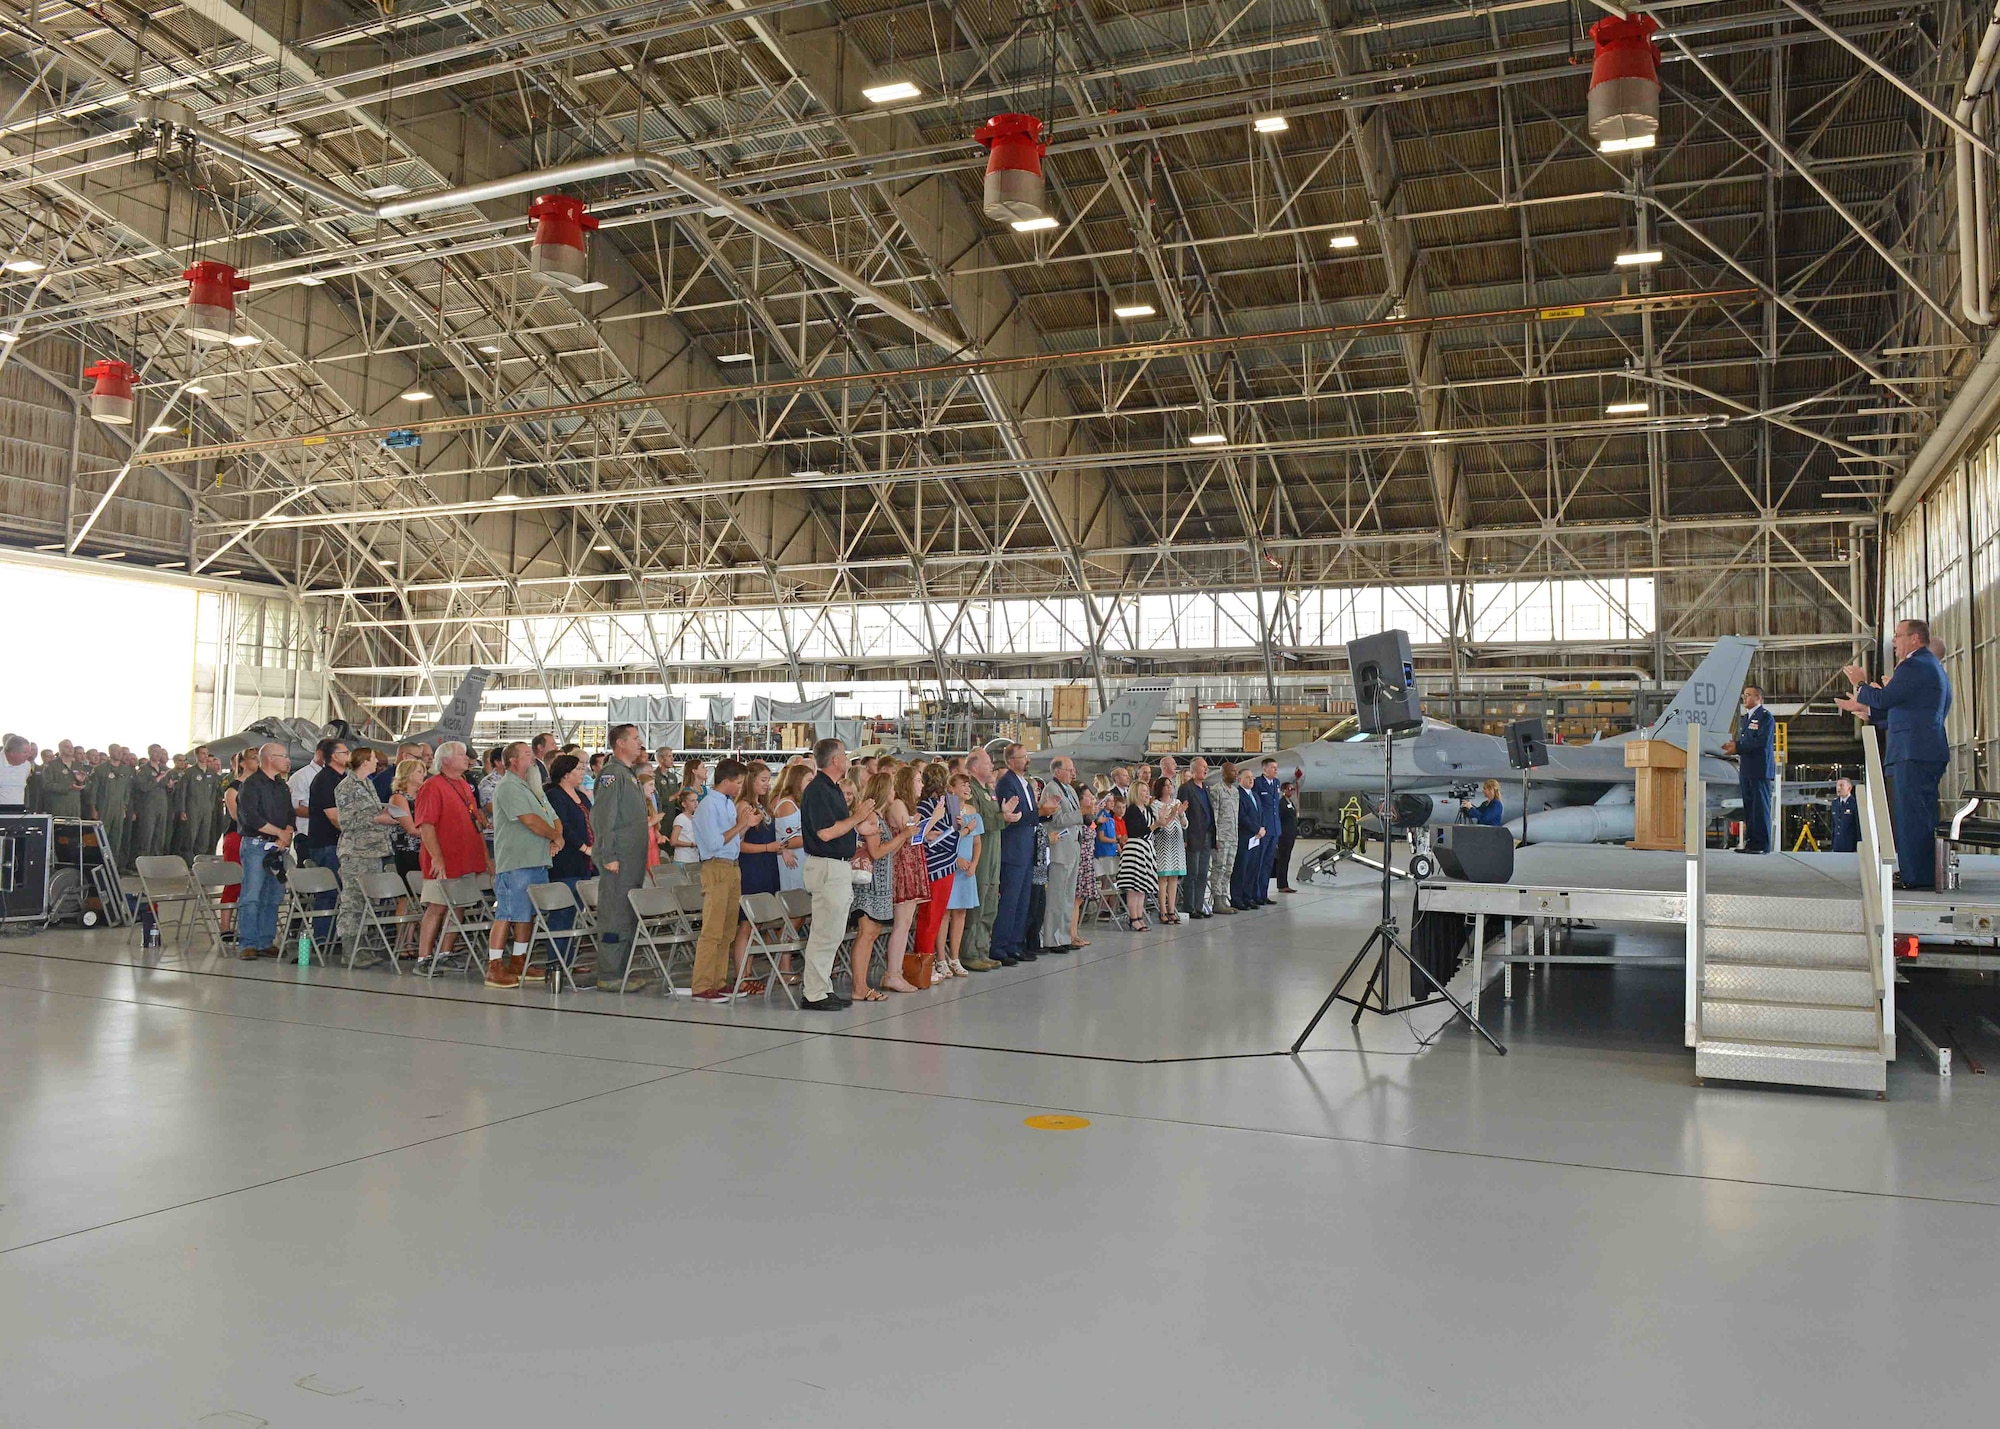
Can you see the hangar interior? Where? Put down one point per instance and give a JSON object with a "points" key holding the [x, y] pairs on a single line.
{"points": [[973, 364]]}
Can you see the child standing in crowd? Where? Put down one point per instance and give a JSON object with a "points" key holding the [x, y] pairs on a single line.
{"points": [[965, 886], [682, 833]]}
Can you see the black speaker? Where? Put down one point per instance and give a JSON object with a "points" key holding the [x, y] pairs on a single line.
{"points": [[1528, 743], [24, 867], [1477, 853], [1385, 682]]}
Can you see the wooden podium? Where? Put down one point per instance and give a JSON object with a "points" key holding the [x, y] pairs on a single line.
{"points": [[1659, 792]]}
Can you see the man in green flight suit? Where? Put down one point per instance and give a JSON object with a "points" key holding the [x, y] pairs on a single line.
{"points": [[200, 804], [110, 791], [152, 803], [63, 776]]}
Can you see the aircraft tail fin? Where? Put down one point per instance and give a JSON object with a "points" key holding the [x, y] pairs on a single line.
{"points": [[1711, 694], [455, 724], [1120, 732]]}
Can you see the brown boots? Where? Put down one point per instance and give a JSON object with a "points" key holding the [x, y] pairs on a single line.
{"points": [[503, 970]]}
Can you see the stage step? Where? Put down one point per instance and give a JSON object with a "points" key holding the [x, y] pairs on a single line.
{"points": [[1745, 1060], [1788, 994]]}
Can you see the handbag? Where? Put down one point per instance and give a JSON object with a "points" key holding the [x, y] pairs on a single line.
{"points": [[916, 970]]}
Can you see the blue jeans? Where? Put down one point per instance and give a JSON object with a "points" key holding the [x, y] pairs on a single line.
{"points": [[257, 901], [327, 858]]}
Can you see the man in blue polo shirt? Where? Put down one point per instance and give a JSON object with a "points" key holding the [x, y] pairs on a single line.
{"points": [[1910, 708]]}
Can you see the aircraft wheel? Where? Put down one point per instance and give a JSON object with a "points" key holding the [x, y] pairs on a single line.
{"points": [[1423, 867]]}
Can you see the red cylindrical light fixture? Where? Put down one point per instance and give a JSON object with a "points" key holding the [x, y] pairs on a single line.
{"points": [[111, 399], [559, 251], [1013, 166], [1625, 81], [211, 304]]}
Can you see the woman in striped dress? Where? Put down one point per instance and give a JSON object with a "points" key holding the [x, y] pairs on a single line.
{"points": [[1136, 878], [934, 817]]}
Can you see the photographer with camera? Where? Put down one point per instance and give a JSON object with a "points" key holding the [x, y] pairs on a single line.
{"points": [[264, 820], [1490, 811]]}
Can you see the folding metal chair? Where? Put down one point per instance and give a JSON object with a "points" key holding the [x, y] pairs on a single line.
{"points": [[467, 921], [217, 876], [380, 922], [559, 961], [165, 881], [304, 883], [771, 933], [1110, 902], [414, 881], [660, 933]]}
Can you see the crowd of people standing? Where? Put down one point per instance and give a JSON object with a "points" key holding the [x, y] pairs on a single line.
{"points": [[944, 867]]}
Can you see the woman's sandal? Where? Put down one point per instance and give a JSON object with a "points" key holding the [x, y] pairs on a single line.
{"points": [[873, 994]]}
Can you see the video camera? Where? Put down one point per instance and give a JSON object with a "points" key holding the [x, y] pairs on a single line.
{"points": [[276, 865]]}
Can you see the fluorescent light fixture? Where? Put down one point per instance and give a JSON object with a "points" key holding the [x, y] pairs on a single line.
{"points": [[506, 498], [737, 357], [276, 134], [717, 212], [245, 339], [385, 191], [111, 555], [490, 348], [1890, 411], [53, 546], [600, 546], [808, 473], [1626, 146], [24, 265], [161, 429], [1270, 124], [1345, 240], [1207, 439], [1134, 310], [891, 92], [196, 389], [1644, 258], [591, 287], [10, 337], [232, 571], [168, 565], [418, 394], [1035, 225], [1627, 409], [311, 280]]}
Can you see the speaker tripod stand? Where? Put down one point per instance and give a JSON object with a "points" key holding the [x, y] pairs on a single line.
{"points": [[1387, 939]]}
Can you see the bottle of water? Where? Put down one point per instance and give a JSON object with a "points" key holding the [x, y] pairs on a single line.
{"points": [[305, 948]]}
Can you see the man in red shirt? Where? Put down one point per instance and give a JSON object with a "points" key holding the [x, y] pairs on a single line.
{"points": [[452, 845]]}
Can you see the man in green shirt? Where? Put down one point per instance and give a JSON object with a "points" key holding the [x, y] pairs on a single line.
{"points": [[526, 838], [151, 802], [110, 790], [986, 874], [666, 784], [199, 807], [63, 776]]}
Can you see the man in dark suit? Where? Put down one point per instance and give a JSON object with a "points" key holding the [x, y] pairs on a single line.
{"points": [[1200, 839], [1247, 879], [1017, 858], [1911, 707], [1756, 751]]}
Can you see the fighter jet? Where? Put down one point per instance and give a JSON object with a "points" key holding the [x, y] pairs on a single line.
{"points": [[302, 736], [1117, 736], [1584, 793]]}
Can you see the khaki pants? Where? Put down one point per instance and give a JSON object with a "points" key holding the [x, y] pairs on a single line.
{"points": [[721, 905], [830, 881]]}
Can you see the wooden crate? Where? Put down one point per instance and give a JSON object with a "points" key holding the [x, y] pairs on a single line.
{"points": [[1071, 707]]}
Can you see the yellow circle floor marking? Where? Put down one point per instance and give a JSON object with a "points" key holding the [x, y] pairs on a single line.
{"points": [[1057, 1123]]}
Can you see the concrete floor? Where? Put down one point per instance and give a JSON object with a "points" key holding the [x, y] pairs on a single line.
{"points": [[237, 1195]]}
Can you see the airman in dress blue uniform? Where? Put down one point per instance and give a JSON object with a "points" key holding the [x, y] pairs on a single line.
{"points": [[1756, 751], [1844, 818]]}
